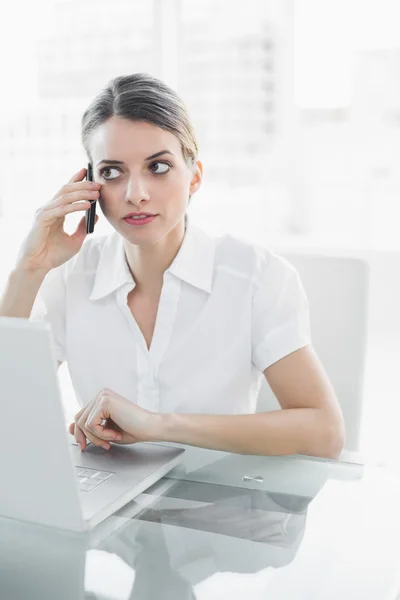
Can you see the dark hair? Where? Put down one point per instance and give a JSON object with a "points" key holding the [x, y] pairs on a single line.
{"points": [[142, 97]]}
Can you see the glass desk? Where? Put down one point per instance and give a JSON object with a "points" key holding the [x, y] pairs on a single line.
{"points": [[225, 526]]}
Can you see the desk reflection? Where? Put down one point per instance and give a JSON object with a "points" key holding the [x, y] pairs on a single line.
{"points": [[190, 533]]}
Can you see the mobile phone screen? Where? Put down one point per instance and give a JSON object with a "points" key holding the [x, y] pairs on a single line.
{"points": [[91, 212]]}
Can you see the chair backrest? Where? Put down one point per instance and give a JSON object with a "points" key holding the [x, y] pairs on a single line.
{"points": [[338, 294]]}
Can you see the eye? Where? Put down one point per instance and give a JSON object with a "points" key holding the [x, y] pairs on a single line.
{"points": [[163, 164], [107, 169]]}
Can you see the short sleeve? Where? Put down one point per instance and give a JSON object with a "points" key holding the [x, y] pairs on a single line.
{"points": [[49, 306], [280, 311]]}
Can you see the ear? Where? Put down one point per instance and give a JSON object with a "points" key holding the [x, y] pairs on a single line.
{"points": [[197, 177]]}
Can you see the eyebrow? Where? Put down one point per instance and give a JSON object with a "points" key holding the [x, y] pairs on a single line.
{"points": [[120, 162]]}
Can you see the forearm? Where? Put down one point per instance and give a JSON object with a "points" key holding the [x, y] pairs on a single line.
{"points": [[20, 293], [306, 431]]}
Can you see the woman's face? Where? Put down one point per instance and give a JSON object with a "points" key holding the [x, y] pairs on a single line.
{"points": [[138, 183]]}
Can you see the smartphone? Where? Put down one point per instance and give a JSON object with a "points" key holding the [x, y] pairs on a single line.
{"points": [[91, 212]]}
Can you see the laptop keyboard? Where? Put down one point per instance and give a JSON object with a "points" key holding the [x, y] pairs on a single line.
{"points": [[91, 478]]}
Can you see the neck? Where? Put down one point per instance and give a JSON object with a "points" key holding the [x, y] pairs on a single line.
{"points": [[148, 263]]}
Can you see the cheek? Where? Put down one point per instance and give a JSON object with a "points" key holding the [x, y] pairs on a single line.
{"points": [[103, 205], [107, 200], [178, 183]]}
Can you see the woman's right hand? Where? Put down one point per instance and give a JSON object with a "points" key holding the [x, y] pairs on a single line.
{"points": [[47, 245]]}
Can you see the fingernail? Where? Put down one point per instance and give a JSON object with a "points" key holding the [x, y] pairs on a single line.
{"points": [[105, 446]]}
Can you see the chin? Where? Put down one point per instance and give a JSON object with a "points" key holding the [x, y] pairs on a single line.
{"points": [[142, 235]]}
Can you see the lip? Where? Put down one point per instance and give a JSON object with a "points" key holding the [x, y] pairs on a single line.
{"points": [[138, 214], [148, 218]]}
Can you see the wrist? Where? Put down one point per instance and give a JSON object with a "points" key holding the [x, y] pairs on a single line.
{"points": [[160, 427], [25, 273]]}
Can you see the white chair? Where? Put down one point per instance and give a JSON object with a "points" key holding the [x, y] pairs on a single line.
{"points": [[338, 293]]}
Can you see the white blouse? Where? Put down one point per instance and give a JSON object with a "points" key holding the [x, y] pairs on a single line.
{"points": [[228, 310]]}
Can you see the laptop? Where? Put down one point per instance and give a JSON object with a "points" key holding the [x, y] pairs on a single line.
{"points": [[45, 478]]}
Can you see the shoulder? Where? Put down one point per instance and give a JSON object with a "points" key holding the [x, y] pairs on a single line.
{"points": [[250, 260]]}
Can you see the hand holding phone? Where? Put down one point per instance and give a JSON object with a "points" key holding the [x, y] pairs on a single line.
{"points": [[47, 245], [91, 212]]}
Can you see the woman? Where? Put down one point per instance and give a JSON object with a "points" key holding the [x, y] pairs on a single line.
{"points": [[166, 330]]}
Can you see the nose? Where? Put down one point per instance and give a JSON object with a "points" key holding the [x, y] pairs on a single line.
{"points": [[136, 192]]}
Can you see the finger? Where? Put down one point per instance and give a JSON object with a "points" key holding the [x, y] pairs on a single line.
{"points": [[96, 441], [71, 428], [80, 437], [59, 208], [92, 438], [81, 185], [67, 198], [50, 215], [79, 414], [97, 423], [78, 181], [77, 432], [79, 175], [126, 439]]}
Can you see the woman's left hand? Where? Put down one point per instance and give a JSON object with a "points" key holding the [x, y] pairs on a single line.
{"points": [[111, 417]]}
